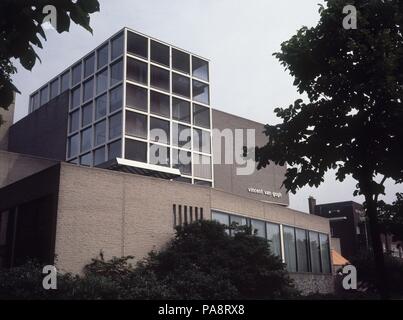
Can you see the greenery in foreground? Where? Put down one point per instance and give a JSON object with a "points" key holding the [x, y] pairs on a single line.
{"points": [[201, 262]]}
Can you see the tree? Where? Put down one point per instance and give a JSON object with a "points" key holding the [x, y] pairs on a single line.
{"points": [[351, 120], [21, 30], [391, 217]]}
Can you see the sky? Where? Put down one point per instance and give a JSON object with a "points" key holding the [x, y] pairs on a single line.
{"points": [[238, 36]]}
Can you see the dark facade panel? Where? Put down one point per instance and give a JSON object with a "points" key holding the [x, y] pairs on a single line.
{"points": [[264, 184], [43, 132]]}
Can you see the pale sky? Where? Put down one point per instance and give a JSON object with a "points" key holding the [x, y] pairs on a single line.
{"points": [[238, 36]]}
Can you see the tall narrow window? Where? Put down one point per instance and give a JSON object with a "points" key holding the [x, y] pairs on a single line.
{"points": [[180, 61], [180, 110], [159, 130], [103, 56], [86, 115], [315, 251], [117, 46], [76, 78], [100, 133], [102, 81], [89, 65], [180, 85], [273, 236], [115, 150], [88, 90], [116, 72], [65, 81], [302, 250], [137, 71], [115, 126], [116, 99], [289, 249], [200, 69], [201, 92], [201, 116], [54, 88], [325, 252]]}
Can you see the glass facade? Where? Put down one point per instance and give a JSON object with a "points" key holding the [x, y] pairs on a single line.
{"points": [[149, 104], [302, 250]]}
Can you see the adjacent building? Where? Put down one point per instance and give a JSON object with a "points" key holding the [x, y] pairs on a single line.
{"points": [[123, 146]]}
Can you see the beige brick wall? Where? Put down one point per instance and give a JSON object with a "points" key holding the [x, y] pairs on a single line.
{"points": [[125, 214]]}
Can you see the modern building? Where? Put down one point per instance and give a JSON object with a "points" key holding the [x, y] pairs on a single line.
{"points": [[123, 146], [349, 228]]}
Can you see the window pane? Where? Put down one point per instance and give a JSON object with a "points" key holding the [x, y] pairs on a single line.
{"points": [[136, 150], [75, 98], [315, 251], [65, 79], [240, 221], [88, 90], [44, 95], [159, 103], [35, 101], [117, 46], [180, 61], [86, 139], [258, 228], [137, 45], [159, 155], [116, 99], [115, 126], [115, 150], [89, 65], [160, 78], [136, 97], [201, 92], [201, 141], [116, 72], [201, 116], [182, 160], [76, 74], [73, 145], [289, 249], [137, 71], [74, 121], [180, 110], [86, 117], [100, 133], [86, 160], [102, 81], [54, 88], [200, 69], [302, 250], [100, 107], [159, 53], [99, 156], [180, 85], [181, 136], [202, 166], [222, 218], [136, 124], [325, 252], [273, 235], [159, 130], [103, 56]]}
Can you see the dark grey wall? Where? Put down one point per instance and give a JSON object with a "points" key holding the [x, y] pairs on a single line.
{"points": [[43, 132], [225, 175]]}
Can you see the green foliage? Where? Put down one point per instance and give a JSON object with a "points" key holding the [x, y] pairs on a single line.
{"points": [[354, 83], [201, 262], [391, 217], [21, 30], [367, 274]]}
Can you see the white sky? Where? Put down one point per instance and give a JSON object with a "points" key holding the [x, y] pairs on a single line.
{"points": [[238, 36]]}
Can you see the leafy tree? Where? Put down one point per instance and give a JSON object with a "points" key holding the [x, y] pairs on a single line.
{"points": [[391, 217], [351, 120], [21, 30]]}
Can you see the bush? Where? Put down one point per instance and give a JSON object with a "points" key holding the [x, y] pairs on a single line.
{"points": [[201, 262]]}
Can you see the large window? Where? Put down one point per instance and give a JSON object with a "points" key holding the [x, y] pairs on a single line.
{"points": [[315, 251], [201, 92], [258, 228], [54, 88], [103, 56], [324, 252], [137, 71], [159, 130], [76, 78], [201, 141], [74, 121], [137, 45], [75, 98], [202, 166], [302, 250], [99, 156], [136, 150], [181, 135], [88, 91], [180, 61], [136, 97], [117, 46], [73, 145], [273, 235], [115, 126], [201, 116], [89, 65], [159, 104], [182, 160], [100, 133], [180, 85], [44, 95], [159, 78], [116, 99], [200, 69], [115, 150], [180, 110], [136, 124], [100, 107], [86, 116], [102, 81], [159, 53], [159, 155], [222, 218], [289, 249], [86, 139], [65, 81], [116, 72]]}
